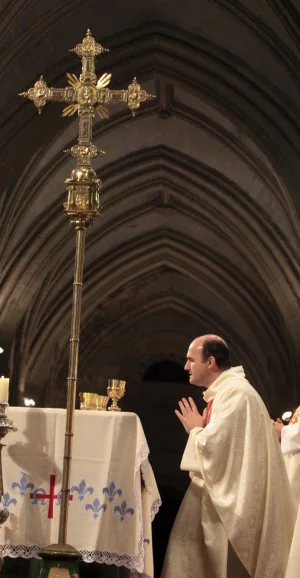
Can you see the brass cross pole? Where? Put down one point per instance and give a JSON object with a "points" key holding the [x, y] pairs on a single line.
{"points": [[85, 95]]}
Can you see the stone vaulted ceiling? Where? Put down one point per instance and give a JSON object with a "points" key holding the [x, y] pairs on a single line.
{"points": [[200, 224]]}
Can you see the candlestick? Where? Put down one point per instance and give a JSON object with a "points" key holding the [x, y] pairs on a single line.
{"points": [[4, 386]]}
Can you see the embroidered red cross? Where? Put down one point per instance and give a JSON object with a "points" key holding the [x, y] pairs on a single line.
{"points": [[51, 496]]}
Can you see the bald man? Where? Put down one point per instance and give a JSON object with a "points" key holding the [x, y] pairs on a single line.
{"points": [[236, 519]]}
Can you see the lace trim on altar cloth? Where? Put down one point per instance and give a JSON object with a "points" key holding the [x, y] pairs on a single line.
{"points": [[141, 455], [21, 551], [155, 508]]}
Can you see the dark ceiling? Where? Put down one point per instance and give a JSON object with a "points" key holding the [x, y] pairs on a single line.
{"points": [[199, 230]]}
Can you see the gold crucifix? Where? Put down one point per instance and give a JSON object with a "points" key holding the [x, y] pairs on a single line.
{"points": [[87, 96]]}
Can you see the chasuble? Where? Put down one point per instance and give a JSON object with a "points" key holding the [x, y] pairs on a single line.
{"points": [[237, 517]]}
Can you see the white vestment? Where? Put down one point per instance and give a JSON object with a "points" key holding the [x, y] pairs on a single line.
{"points": [[238, 514], [290, 446]]}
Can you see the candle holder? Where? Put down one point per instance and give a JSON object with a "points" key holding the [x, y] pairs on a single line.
{"points": [[115, 390]]}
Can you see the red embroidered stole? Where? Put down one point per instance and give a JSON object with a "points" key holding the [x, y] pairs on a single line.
{"points": [[208, 413]]}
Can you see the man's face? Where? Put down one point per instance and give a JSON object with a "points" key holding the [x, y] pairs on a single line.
{"points": [[197, 368]]}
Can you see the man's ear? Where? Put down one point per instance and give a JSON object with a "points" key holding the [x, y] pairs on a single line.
{"points": [[211, 362]]}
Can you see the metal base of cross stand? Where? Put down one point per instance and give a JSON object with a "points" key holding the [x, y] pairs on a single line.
{"points": [[59, 561]]}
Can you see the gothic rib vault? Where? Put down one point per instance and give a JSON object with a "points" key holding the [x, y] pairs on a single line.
{"points": [[199, 230]]}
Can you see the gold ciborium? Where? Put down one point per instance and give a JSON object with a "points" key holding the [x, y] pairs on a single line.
{"points": [[115, 390], [88, 400], [102, 401]]}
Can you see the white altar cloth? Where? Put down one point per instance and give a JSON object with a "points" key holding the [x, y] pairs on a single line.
{"points": [[114, 496]]}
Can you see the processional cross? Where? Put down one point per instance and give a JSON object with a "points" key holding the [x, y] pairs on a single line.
{"points": [[87, 96]]}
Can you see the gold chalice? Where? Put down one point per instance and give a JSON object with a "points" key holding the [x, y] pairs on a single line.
{"points": [[115, 390], [88, 400], [102, 401]]}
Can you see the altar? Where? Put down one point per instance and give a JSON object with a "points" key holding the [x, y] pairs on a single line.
{"points": [[113, 499]]}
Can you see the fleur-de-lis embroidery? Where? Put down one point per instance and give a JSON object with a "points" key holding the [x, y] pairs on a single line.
{"points": [[23, 486], [123, 510], [111, 491], [96, 508], [39, 501], [8, 501], [82, 490]]}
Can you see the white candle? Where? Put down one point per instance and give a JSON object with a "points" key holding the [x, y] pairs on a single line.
{"points": [[4, 385]]}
